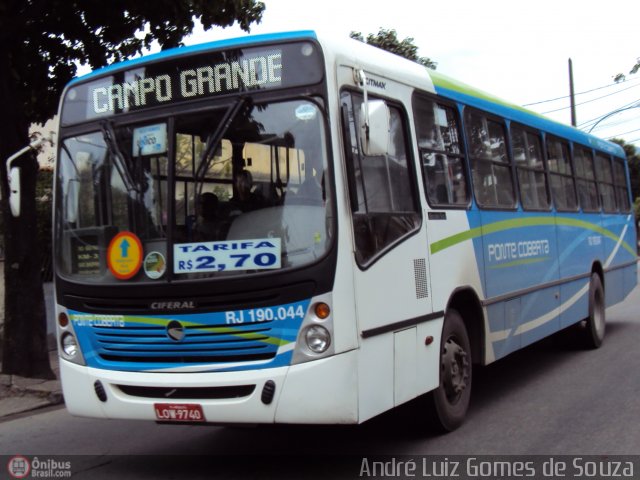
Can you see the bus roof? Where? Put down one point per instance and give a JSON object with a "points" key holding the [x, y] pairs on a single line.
{"points": [[420, 77]]}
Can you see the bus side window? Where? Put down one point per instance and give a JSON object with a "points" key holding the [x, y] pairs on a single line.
{"points": [[620, 181], [586, 179], [604, 175], [532, 180], [441, 158], [382, 192], [490, 166], [563, 187]]}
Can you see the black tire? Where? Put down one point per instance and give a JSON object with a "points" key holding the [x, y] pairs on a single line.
{"points": [[450, 400], [594, 326]]}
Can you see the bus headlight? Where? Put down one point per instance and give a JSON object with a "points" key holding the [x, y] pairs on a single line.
{"points": [[69, 345], [318, 339]]}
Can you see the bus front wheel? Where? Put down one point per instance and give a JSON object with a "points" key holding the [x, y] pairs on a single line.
{"points": [[451, 399]]}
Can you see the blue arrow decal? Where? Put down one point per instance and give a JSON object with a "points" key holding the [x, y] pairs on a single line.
{"points": [[125, 248]]}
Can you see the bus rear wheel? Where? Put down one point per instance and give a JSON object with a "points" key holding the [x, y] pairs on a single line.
{"points": [[594, 326], [451, 399]]}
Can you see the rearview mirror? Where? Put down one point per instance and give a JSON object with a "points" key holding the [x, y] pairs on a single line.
{"points": [[14, 191], [374, 128]]}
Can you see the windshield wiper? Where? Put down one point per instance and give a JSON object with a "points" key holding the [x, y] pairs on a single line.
{"points": [[119, 160], [216, 136]]}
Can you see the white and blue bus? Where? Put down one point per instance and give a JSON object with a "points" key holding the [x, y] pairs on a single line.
{"points": [[290, 229]]}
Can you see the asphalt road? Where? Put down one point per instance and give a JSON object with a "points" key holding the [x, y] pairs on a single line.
{"points": [[549, 399]]}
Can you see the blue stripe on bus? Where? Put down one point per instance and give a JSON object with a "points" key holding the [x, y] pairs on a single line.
{"points": [[533, 120]]}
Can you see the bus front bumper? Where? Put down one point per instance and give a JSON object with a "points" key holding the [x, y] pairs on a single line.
{"points": [[321, 391]]}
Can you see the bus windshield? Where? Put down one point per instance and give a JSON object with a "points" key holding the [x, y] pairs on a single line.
{"points": [[238, 190]]}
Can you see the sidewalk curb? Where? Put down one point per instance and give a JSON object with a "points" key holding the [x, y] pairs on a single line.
{"points": [[19, 394]]}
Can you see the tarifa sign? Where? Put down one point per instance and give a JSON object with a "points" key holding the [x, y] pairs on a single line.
{"points": [[184, 78]]}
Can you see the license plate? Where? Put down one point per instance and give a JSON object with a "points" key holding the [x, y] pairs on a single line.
{"points": [[179, 412]]}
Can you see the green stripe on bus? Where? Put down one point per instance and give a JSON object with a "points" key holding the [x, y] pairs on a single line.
{"points": [[524, 261], [161, 322], [521, 223], [448, 83]]}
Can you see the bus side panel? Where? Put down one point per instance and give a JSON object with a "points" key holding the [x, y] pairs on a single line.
{"points": [[540, 315], [574, 301], [579, 247], [387, 295], [630, 278], [454, 262], [631, 250], [615, 291], [375, 376], [396, 367], [520, 253], [619, 250]]}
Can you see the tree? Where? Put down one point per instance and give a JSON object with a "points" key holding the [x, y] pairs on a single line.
{"points": [[388, 40], [41, 43], [633, 159], [621, 77]]}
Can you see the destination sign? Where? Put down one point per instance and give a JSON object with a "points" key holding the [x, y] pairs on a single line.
{"points": [[192, 77]]}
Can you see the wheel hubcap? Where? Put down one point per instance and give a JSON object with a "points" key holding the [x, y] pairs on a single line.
{"points": [[455, 370]]}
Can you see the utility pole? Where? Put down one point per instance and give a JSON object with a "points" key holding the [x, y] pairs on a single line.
{"points": [[572, 96]]}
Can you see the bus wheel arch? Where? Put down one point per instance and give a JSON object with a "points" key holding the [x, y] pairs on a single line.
{"points": [[461, 347], [465, 301], [450, 401]]}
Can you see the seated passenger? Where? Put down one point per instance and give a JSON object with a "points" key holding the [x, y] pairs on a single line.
{"points": [[208, 222], [245, 199], [311, 187]]}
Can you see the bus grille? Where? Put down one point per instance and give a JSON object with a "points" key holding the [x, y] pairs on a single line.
{"points": [[188, 393], [200, 344]]}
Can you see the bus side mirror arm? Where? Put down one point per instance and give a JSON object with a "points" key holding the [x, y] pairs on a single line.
{"points": [[13, 174], [374, 121]]}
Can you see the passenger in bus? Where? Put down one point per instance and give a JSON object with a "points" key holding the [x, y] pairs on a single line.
{"points": [[311, 187], [208, 225], [245, 199]]}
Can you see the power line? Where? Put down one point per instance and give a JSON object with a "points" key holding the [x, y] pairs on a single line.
{"points": [[592, 100], [619, 121], [610, 114], [595, 120], [581, 93], [621, 134]]}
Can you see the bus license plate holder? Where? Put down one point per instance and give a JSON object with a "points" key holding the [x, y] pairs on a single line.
{"points": [[179, 412]]}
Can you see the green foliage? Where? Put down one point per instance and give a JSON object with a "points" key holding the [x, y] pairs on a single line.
{"points": [[44, 201], [633, 159], [388, 40], [621, 77], [41, 44]]}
